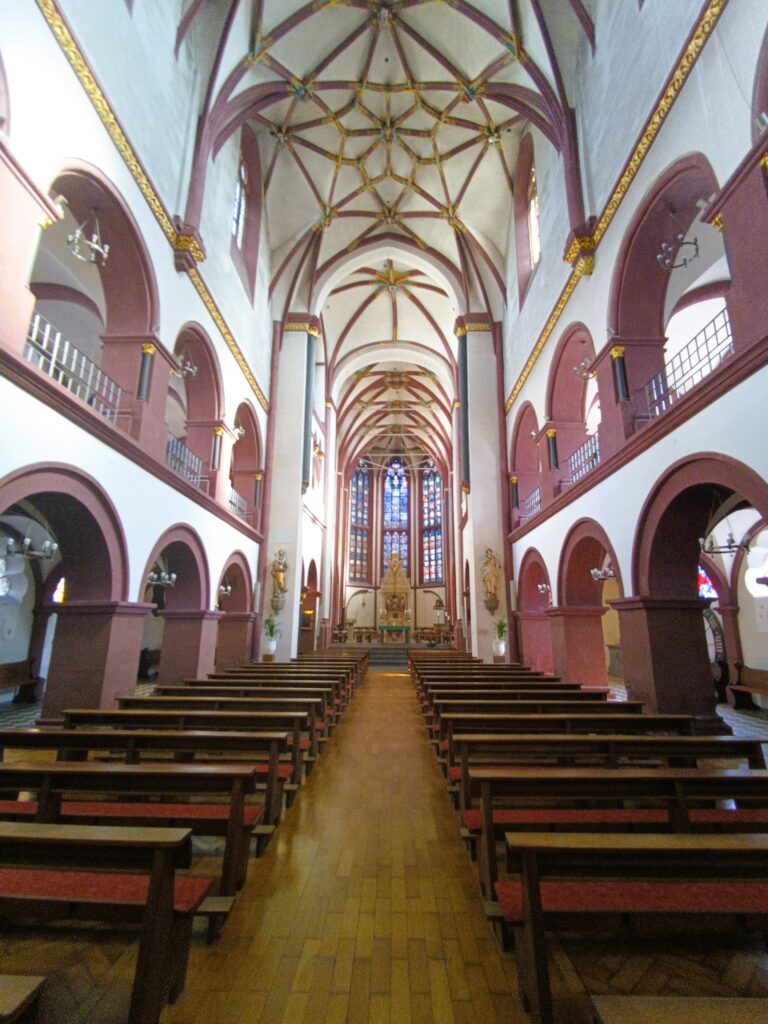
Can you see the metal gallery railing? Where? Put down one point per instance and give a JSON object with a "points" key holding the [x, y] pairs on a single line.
{"points": [[182, 461], [51, 352], [703, 354], [584, 459], [238, 506], [532, 503]]}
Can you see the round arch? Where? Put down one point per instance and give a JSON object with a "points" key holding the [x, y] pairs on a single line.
{"points": [[128, 278], [237, 574], [566, 392], [183, 553], [85, 524], [533, 620], [531, 575], [205, 389], [587, 546]]}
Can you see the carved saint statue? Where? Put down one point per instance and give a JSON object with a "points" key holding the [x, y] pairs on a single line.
{"points": [[279, 569], [491, 572]]}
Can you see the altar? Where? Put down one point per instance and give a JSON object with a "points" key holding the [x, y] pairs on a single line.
{"points": [[395, 633]]}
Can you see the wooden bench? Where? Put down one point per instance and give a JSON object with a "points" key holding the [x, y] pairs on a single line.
{"points": [[19, 998], [577, 877], [185, 746], [62, 788], [342, 683], [328, 711], [680, 1009], [748, 681], [130, 877], [292, 722], [595, 799], [610, 751]]}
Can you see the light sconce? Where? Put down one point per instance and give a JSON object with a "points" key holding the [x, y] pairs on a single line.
{"points": [[162, 579], [731, 546], [583, 370], [47, 550], [598, 575], [89, 250], [239, 433], [679, 252]]}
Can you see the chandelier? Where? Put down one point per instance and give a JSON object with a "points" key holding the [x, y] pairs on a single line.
{"points": [[598, 575], [25, 550], [89, 250], [730, 547], [162, 579], [678, 252]]}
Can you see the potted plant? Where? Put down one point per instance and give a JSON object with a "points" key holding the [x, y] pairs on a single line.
{"points": [[500, 643], [271, 632]]}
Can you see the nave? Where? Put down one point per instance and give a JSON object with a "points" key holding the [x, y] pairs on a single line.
{"points": [[366, 908]]}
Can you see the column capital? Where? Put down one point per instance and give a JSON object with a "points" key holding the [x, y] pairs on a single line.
{"points": [[472, 323], [302, 322], [188, 246]]}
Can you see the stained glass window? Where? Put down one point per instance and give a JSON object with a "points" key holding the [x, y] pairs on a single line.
{"points": [[395, 519], [706, 587], [360, 521], [431, 525]]}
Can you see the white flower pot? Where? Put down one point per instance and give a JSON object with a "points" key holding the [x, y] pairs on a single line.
{"points": [[499, 648], [270, 645]]}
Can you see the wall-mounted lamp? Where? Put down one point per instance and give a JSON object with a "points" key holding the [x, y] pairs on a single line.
{"points": [[602, 574], [89, 250], [47, 549]]}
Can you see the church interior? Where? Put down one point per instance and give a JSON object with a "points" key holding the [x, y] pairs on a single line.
{"points": [[383, 364]]}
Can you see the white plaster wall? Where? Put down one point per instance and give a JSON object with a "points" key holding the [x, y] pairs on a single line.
{"points": [[145, 505], [728, 426]]}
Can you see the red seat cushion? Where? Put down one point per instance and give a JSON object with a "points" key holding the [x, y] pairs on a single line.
{"points": [[568, 816], [200, 812], [96, 887], [720, 815], [637, 896], [18, 807]]}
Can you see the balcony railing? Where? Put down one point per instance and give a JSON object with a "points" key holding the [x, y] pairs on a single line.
{"points": [[50, 352], [584, 459], [182, 461], [532, 503], [238, 506], [697, 360]]}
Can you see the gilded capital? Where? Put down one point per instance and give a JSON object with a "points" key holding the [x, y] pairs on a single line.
{"points": [[218, 431], [617, 352], [551, 432], [148, 349]]}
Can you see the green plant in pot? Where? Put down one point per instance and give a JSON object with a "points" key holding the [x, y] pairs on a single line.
{"points": [[500, 643], [271, 632]]}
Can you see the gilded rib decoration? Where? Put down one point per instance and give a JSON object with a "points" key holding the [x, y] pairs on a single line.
{"points": [[179, 242], [585, 264]]}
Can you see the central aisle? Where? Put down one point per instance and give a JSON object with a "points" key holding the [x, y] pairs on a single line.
{"points": [[365, 907]]}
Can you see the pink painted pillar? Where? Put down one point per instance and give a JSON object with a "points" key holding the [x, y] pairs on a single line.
{"points": [[578, 648], [95, 654], [535, 632], [665, 656], [189, 645], [142, 366], [234, 640]]}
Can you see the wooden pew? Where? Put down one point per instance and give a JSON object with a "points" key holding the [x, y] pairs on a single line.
{"points": [[184, 745], [610, 751], [563, 876], [748, 681], [62, 786], [327, 711], [292, 722], [599, 799], [94, 871], [342, 683]]}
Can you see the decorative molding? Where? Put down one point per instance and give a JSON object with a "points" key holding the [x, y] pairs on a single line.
{"points": [[182, 243], [473, 328], [581, 245], [305, 326]]}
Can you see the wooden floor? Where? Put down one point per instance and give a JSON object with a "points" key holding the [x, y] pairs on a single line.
{"points": [[366, 909]]}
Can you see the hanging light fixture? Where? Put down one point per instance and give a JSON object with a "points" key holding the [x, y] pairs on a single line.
{"points": [[708, 546], [583, 370], [162, 579], [678, 252], [186, 368], [225, 588], [544, 588], [598, 575], [25, 550], [89, 250]]}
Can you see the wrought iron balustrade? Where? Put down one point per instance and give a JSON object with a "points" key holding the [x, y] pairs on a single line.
{"points": [[697, 360], [182, 461], [51, 352], [584, 459]]}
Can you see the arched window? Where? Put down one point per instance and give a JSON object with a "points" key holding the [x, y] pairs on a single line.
{"points": [[246, 211], [395, 531], [534, 234], [431, 526], [360, 525]]}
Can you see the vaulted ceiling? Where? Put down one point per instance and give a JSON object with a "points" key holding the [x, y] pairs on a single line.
{"points": [[389, 126]]}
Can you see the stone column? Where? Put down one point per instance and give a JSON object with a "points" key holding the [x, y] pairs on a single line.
{"points": [[484, 527], [286, 470], [233, 645], [535, 632], [95, 654], [664, 650], [189, 645], [578, 649]]}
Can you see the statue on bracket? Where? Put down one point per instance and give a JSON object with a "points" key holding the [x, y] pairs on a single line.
{"points": [[279, 586], [491, 573]]}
